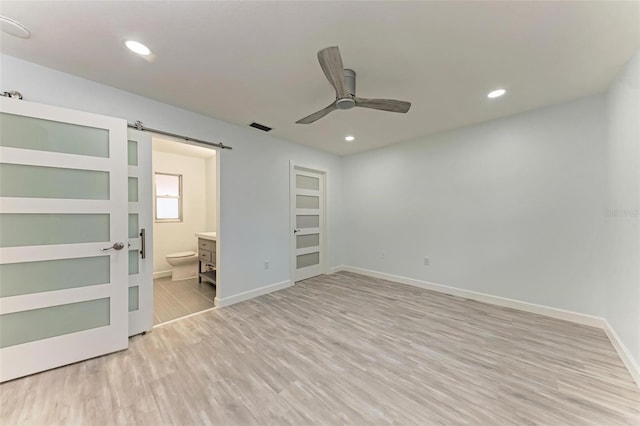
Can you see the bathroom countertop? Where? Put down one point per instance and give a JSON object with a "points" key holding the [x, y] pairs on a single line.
{"points": [[206, 235]]}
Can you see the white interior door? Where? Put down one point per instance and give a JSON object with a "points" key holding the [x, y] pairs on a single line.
{"points": [[308, 222], [63, 237], [140, 258]]}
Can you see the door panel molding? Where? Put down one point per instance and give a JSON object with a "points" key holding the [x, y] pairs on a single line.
{"points": [[25, 302], [54, 205], [30, 157]]}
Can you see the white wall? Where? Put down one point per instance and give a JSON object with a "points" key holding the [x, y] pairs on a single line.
{"points": [[511, 207], [254, 176], [622, 212], [211, 195], [173, 237]]}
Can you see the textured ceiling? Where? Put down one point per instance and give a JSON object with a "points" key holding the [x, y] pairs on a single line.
{"points": [[256, 61]]}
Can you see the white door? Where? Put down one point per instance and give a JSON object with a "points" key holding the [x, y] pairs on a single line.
{"points": [[307, 222], [63, 237], [140, 232]]}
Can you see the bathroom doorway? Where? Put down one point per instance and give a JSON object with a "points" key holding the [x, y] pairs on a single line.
{"points": [[184, 228]]}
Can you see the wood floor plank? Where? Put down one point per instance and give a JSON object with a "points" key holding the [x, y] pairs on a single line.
{"points": [[342, 349]]}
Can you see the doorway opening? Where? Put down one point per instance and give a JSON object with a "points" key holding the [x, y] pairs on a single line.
{"points": [[185, 221]]}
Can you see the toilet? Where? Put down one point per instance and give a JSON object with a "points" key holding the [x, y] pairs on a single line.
{"points": [[183, 265]]}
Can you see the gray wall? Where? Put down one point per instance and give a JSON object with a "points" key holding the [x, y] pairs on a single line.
{"points": [[622, 212], [254, 176], [511, 207]]}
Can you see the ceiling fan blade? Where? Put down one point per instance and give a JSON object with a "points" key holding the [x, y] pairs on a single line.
{"points": [[383, 104], [317, 115], [331, 63]]}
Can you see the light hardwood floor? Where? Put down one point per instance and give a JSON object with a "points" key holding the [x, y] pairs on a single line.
{"points": [[342, 349], [176, 299]]}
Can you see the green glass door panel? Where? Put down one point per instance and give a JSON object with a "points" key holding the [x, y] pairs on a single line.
{"points": [[307, 182], [133, 189], [304, 260], [45, 135], [52, 182], [307, 221], [133, 225], [304, 241], [133, 262], [50, 275], [307, 202], [134, 303], [132, 153], [33, 229], [36, 324]]}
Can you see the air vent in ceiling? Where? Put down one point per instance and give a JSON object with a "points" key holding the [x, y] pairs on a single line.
{"points": [[260, 127]]}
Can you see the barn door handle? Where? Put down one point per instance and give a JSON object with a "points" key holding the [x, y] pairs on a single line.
{"points": [[143, 244], [115, 246]]}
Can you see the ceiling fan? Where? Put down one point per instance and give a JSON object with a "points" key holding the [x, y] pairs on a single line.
{"points": [[344, 81]]}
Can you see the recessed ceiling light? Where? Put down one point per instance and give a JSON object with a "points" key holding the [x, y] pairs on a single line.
{"points": [[496, 93], [14, 28], [138, 48], [349, 138]]}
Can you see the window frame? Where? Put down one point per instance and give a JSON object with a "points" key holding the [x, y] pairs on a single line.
{"points": [[156, 197]]}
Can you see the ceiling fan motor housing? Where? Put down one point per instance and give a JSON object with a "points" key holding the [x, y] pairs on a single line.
{"points": [[350, 82], [345, 103]]}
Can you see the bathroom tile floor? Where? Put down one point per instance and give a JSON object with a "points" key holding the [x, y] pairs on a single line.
{"points": [[175, 299]]}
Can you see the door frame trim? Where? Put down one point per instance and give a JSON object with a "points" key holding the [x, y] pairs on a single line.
{"points": [[293, 166]]}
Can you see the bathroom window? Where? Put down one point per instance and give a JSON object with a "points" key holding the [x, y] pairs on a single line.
{"points": [[168, 196]]}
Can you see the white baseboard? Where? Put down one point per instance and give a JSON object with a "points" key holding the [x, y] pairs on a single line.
{"points": [[335, 269], [246, 295], [562, 314], [623, 351], [161, 274]]}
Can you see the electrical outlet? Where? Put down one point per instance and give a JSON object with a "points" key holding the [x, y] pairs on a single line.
{"points": [[382, 255], [266, 264], [426, 261]]}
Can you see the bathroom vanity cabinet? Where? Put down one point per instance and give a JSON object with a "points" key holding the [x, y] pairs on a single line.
{"points": [[207, 257]]}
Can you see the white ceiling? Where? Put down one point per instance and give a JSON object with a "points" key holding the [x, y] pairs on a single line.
{"points": [[256, 61]]}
